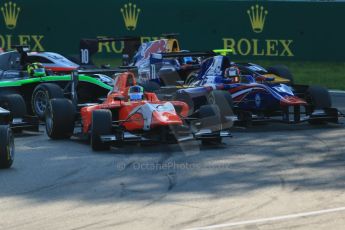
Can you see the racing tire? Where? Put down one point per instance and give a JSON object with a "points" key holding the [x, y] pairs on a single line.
{"points": [[282, 71], [191, 77], [210, 118], [14, 103], [60, 116], [6, 147], [101, 125], [319, 98], [150, 86], [186, 98], [41, 96], [223, 100]]}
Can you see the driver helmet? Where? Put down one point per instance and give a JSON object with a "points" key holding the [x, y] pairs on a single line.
{"points": [[136, 93], [36, 70], [187, 60], [233, 73]]}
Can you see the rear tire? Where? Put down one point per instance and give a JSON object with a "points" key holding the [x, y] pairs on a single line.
{"points": [[6, 147], [191, 77], [282, 71], [150, 86], [14, 103], [101, 125], [186, 98], [59, 118], [41, 96]]}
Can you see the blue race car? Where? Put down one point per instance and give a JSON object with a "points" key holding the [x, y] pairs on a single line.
{"points": [[257, 94]]}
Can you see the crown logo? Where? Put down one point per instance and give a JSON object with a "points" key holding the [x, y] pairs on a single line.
{"points": [[130, 14], [10, 11], [257, 16]]}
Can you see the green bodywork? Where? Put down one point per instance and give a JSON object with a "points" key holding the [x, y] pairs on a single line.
{"points": [[22, 82]]}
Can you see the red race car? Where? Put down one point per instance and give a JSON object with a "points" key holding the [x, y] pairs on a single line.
{"points": [[130, 114]]}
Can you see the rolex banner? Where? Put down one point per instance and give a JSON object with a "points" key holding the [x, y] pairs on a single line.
{"points": [[253, 29]]}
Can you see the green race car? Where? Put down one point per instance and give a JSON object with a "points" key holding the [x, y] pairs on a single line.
{"points": [[38, 86]]}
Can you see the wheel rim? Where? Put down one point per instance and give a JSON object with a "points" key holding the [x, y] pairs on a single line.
{"points": [[41, 102]]}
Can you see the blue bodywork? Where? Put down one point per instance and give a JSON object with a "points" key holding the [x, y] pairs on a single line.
{"points": [[247, 95]]}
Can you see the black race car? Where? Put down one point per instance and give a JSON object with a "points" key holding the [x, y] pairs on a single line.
{"points": [[37, 90]]}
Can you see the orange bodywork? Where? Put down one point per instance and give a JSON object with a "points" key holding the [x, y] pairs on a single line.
{"points": [[134, 115]]}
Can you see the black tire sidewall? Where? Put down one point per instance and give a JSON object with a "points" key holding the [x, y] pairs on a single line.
{"points": [[318, 97], [101, 125], [14, 103], [60, 117], [6, 145]]}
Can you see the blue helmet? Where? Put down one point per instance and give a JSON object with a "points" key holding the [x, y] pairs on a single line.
{"points": [[136, 93]]}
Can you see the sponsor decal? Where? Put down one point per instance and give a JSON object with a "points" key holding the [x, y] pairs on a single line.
{"points": [[117, 47], [11, 14], [257, 16], [270, 47], [130, 13], [149, 48]]}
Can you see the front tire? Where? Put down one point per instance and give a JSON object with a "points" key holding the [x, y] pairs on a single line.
{"points": [[41, 96], [210, 118], [101, 125], [59, 118], [318, 97], [6, 147], [223, 100]]}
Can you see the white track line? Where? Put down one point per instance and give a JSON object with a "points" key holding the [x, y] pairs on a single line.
{"points": [[337, 91], [271, 219]]}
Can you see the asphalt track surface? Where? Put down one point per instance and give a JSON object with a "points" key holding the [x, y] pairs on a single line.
{"points": [[271, 176]]}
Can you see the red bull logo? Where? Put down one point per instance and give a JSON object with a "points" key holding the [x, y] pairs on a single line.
{"points": [[146, 49]]}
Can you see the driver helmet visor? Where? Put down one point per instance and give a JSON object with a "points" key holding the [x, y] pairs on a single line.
{"points": [[39, 72], [187, 60], [135, 96], [136, 89], [232, 72]]}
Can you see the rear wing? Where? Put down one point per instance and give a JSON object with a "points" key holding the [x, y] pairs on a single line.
{"points": [[23, 50], [182, 54], [157, 57], [88, 47]]}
